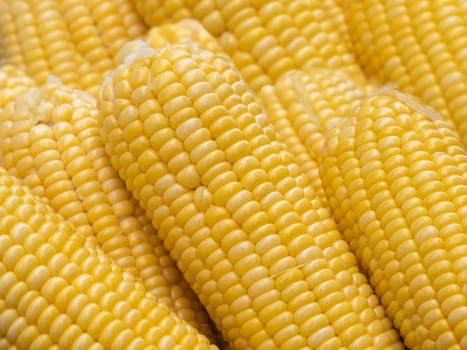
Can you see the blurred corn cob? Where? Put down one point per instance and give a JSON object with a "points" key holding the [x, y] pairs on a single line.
{"points": [[74, 40], [13, 81], [186, 31]]}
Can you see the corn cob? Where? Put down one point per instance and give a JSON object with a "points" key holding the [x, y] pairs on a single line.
{"points": [[41, 44], [85, 35], [132, 21], [295, 35], [335, 13], [396, 181], [9, 45], [56, 291], [227, 207], [50, 140], [282, 120], [418, 44], [99, 29], [74, 40]]}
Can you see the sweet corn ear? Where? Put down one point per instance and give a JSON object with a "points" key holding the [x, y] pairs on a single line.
{"points": [[396, 181], [57, 292], [204, 164], [159, 12]]}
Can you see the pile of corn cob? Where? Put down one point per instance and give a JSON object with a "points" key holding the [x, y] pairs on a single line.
{"points": [[213, 174]]}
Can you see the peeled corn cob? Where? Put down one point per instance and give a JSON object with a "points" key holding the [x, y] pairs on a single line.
{"points": [[49, 139], [228, 209], [110, 21], [418, 44], [396, 182], [295, 35], [132, 22], [85, 34], [280, 117], [56, 291]]}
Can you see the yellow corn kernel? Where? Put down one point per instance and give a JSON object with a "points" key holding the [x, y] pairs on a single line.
{"points": [[395, 176], [50, 139], [56, 291], [420, 46], [233, 209]]}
